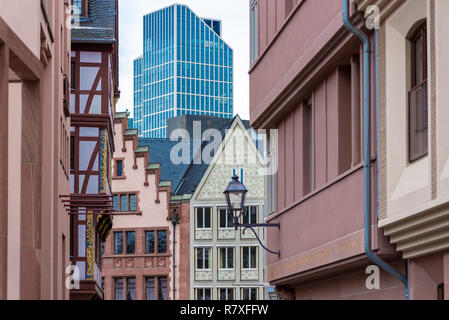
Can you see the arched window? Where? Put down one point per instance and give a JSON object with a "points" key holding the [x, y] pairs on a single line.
{"points": [[418, 111]]}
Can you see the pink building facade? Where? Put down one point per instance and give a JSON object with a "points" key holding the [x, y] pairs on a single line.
{"points": [[306, 82], [140, 253], [34, 149]]}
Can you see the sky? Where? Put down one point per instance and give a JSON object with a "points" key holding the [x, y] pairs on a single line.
{"points": [[234, 15]]}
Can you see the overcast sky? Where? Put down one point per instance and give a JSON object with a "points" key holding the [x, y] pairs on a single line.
{"points": [[234, 15]]}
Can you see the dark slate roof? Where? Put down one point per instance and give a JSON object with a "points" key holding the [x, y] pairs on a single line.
{"points": [[160, 150], [195, 172], [185, 178], [99, 26]]}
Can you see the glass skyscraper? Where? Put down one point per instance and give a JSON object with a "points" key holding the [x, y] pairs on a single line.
{"points": [[186, 68]]}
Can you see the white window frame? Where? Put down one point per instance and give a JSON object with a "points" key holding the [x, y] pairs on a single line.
{"points": [[227, 293], [204, 217], [219, 210], [226, 258], [197, 267], [249, 293], [257, 214], [249, 257], [203, 289], [254, 30]]}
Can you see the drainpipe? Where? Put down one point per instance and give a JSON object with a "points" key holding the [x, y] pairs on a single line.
{"points": [[174, 221], [367, 146]]}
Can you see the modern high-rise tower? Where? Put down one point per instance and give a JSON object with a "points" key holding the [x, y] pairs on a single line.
{"points": [[186, 69]]}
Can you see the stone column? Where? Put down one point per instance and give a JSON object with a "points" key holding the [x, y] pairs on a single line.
{"points": [[4, 74], [30, 268]]}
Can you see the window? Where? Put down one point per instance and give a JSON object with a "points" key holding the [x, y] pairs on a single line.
{"points": [[79, 7], [203, 258], [118, 288], [149, 242], [119, 167], [418, 108], [131, 289], [249, 294], [73, 75], [72, 239], [162, 292], [226, 293], [162, 241], [153, 244], [203, 294], [203, 218], [118, 242], [132, 202], [150, 288], [254, 31], [225, 218], [125, 202], [72, 153], [116, 204], [308, 147], [270, 185], [249, 257], [226, 256], [249, 215], [154, 292], [130, 242]]}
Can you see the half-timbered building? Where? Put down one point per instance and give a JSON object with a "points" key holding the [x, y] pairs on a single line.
{"points": [[94, 93]]}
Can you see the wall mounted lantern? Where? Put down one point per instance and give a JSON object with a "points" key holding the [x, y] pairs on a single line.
{"points": [[235, 195]]}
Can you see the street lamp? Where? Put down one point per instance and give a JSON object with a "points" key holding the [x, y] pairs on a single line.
{"points": [[235, 194]]}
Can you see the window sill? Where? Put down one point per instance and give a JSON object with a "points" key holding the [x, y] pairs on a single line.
{"points": [[119, 178], [128, 213], [162, 255]]}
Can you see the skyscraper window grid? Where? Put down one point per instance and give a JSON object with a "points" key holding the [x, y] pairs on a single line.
{"points": [[186, 68]]}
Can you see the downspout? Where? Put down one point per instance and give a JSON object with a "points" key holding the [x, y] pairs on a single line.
{"points": [[174, 221], [367, 146]]}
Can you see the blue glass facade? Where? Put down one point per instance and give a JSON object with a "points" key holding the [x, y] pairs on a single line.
{"points": [[186, 68]]}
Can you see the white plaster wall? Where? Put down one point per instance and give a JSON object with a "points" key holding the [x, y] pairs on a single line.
{"points": [[442, 74], [407, 183]]}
